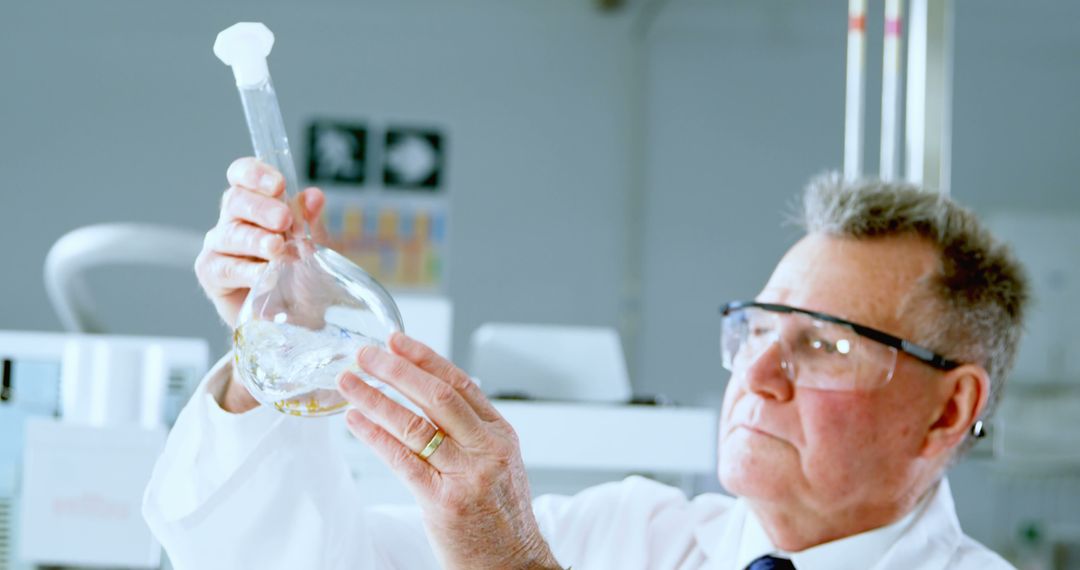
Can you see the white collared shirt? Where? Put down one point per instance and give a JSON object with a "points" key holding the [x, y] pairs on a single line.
{"points": [[856, 552]]}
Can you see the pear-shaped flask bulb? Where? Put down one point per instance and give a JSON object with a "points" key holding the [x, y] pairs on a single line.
{"points": [[312, 309]]}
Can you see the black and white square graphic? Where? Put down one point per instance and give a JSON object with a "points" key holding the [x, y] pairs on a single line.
{"points": [[337, 153], [413, 159]]}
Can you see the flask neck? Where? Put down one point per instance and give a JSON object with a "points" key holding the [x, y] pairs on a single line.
{"points": [[283, 162], [271, 144]]}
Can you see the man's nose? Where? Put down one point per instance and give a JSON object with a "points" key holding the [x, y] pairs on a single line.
{"points": [[772, 373]]}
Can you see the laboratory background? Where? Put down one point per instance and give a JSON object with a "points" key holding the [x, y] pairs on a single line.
{"points": [[596, 175]]}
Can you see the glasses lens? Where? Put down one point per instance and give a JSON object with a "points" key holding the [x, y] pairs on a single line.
{"points": [[747, 333], [826, 353], [814, 353], [732, 334], [874, 367]]}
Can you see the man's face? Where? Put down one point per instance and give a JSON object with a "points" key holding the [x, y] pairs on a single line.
{"points": [[833, 450]]}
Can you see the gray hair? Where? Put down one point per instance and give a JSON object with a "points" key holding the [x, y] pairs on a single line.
{"points": [[971, 309]]}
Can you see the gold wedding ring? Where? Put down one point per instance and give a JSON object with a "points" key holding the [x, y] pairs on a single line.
{"points": [[436, 441]]}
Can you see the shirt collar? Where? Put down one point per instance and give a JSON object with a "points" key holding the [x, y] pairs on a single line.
{"points": [[854, 552]]}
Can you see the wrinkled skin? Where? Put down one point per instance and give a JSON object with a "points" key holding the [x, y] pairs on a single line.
{"points": [[817, 465]]}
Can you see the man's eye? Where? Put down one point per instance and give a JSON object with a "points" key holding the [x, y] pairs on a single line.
{"points": [[757, 331]]}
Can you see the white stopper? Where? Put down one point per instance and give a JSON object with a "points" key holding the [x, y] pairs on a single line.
{"points": [[244, 46]]}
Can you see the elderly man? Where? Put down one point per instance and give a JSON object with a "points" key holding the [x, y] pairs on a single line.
{"points": [[859, 372]]}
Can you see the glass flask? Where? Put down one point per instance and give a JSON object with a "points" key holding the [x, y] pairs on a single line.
{"points": [[312, 309]]}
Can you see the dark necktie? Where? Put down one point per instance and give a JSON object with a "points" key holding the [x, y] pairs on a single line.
{"points": [[771, 563]]}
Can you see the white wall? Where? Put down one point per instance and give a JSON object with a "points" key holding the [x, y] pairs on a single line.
{"points": [[117, 110], [745, 103]]}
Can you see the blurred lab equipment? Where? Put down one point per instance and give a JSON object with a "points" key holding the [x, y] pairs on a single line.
{"points": [[1035, 466], [1037, 423], [107, 383], [312, 308], [88, 412], [1032, 550], [84, 418], [566, 390], [1047, 547], [548, 362]]}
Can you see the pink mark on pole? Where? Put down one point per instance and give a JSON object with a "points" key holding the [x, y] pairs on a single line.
{"points": [[893, 27]]}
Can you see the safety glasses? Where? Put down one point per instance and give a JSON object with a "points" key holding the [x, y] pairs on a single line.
{"points": [[816, 350]]}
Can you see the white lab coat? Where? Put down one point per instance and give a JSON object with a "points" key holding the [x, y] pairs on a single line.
{"points": [[263, 491]]}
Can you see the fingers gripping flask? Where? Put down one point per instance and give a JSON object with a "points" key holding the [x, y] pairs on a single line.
{"points": [[312, 309]]}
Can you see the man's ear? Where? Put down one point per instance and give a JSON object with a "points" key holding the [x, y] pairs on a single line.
{"points": [[966, 389]]}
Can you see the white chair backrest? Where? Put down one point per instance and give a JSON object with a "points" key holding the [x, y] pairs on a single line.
{"points": [[94, 246]]}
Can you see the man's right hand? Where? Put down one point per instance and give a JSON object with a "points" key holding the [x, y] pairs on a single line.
{"points": [[249, 233]]}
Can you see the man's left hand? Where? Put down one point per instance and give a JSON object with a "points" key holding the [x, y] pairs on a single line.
{"points": [[472, 489]]}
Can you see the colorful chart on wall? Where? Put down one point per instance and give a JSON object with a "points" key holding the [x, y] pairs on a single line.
{"points": [[400, 243]]}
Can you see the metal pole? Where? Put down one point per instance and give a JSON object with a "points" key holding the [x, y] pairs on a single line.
{"points": [[856, 88], [929, 95], [634, 215], [890, 87]]}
